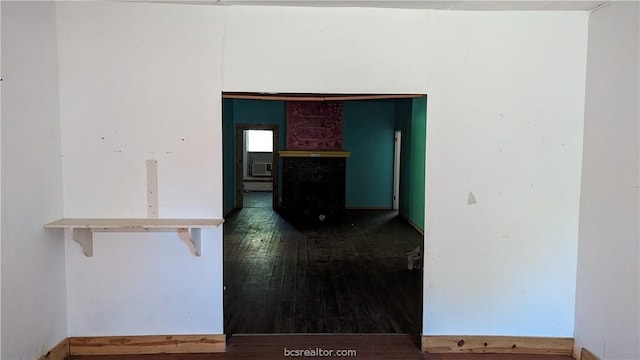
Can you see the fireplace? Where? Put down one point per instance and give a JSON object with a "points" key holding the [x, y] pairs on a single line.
{"points": [[313, 167], [313, 186]]}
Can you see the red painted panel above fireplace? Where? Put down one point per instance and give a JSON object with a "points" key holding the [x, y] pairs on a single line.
{"points": [[314, 125]]}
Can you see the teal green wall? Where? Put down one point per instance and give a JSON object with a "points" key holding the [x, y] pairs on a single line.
{"points": [[261, 112], [237, 111], [411, 119], [268, 112], [368, 135], [418, 152], [228, 153], [403, 124]]}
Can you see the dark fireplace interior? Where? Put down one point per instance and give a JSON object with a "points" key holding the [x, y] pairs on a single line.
{"points": [[313, 186]]}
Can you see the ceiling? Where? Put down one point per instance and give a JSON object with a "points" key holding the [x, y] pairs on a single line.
{"points": [[479, 5]]}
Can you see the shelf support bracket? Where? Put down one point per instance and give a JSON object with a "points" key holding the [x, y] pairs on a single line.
{"points": [[192, 236], [84, 237]]}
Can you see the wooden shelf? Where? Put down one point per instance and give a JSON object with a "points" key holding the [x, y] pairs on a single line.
{"points": [[309, 153], [82, 230], [134, 223]]}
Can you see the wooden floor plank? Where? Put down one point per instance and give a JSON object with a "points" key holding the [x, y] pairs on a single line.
{"points": [[343, 275]]}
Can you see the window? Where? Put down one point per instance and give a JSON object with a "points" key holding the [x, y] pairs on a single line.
{"points": [[259, 141]]}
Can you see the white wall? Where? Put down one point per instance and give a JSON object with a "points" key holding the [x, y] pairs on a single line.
{"points": [[607, 301], [138, 82], [347, 50], [0, 186], [33, 284], [504, 122]]}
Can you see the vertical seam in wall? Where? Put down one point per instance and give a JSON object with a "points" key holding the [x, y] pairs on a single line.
{"points": [[224, 37], [1, 181], [428, 78], [576, 349], [429, 22], [61, 164]]}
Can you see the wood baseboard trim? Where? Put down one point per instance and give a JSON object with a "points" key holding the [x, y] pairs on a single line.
{"points": [[587, 355], [415, 226], [155, 344], [498, 345], [58, 352], [375, 208]]}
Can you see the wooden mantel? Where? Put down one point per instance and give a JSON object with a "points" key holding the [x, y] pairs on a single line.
{"points": [[82, 229], [313, 153]]}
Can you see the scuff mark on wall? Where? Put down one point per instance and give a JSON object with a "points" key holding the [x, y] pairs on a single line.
{"points": [[471, 200], [152, 189]]}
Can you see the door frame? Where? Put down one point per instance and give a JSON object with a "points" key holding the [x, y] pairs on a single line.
{"points": [[239, 161], [397, 149]]}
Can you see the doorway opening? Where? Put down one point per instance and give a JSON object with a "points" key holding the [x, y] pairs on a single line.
{"points": [[397, 151], [350, 272], [256, 165]]}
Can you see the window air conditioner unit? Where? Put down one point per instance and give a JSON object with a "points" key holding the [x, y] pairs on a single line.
{"points": [[261, 169]]}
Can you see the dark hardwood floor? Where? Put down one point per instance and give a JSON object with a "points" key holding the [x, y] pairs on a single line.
{"points": [[342, 275], [257, 199]]}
